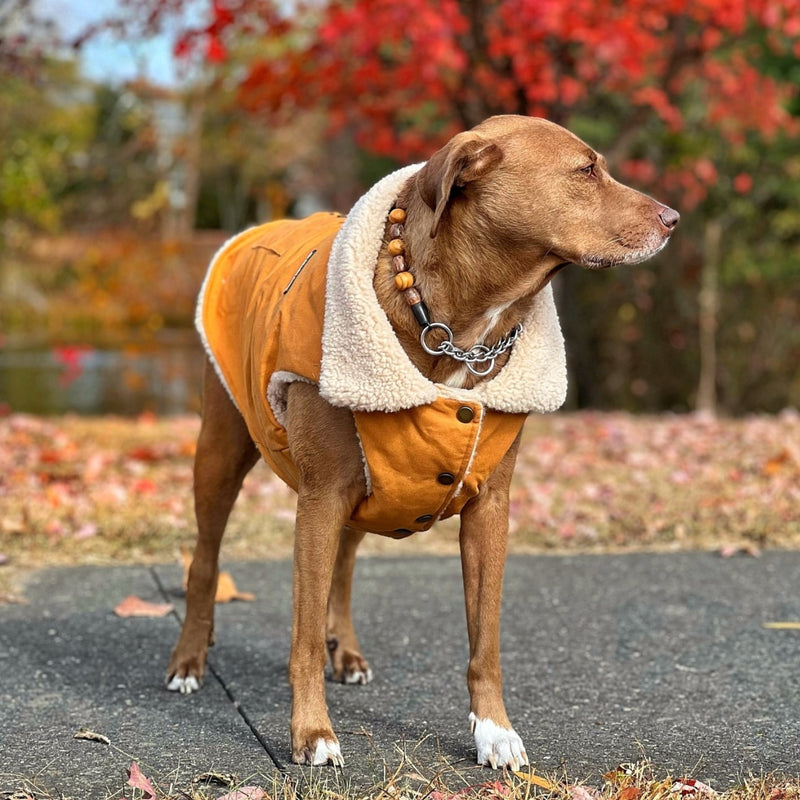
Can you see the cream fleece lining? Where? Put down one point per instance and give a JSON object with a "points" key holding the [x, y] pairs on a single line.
{"points": [[364, 366]]}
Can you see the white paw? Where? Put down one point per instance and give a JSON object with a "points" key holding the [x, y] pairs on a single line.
{"points": [[185, 685], [497, 747], [358, 676], [327, 750]]}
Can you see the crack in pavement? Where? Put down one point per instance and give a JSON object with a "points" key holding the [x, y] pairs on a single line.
{"points": [[240, 710]]}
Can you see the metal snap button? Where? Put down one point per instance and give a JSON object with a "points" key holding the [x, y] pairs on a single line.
{"points": [[465, 414], [424, 518], [446, 478]]}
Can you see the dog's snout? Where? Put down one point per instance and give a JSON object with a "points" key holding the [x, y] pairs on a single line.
{"points": [[670, 217]]}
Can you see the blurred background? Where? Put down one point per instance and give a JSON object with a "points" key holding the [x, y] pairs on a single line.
{"points": [[137, 135]]}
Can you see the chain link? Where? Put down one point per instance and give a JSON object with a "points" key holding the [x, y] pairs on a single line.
{"points": [[477, 354]]}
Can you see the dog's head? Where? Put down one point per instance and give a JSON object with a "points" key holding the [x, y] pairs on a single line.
{"points": [[539, 188]]}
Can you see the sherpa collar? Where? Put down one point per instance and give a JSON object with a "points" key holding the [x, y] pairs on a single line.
{"points": [[364, 366]]}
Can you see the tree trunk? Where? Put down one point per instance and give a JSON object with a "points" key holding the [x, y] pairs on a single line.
{"points": [[708, 303], [193, 154]]}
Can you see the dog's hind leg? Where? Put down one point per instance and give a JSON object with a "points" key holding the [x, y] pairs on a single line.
{"points": [[484, 530], [225, 454], [348, 665]]}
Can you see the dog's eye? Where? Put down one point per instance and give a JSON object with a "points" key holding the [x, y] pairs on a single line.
{"points": [[589, 170]]}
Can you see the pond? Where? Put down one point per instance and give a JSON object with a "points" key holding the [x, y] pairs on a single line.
{"points": [[163, 378]]}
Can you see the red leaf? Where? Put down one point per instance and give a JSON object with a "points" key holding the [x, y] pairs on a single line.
{"points": [[245, 793], [583, 793], [138, 780], [144, 486], [215, 51]]}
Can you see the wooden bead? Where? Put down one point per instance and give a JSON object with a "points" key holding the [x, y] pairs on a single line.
{"points": [[396, 247], [412, 296], [403, 280], [397, 215], [399, 264], [396, 230]]}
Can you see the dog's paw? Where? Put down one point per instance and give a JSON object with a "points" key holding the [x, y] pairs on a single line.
{"points": [[358, 676], [350, 667], [185, 685], [323, 751], [497, 746]]}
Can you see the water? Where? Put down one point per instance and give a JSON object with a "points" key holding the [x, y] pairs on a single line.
{"points": [[163, 378]]}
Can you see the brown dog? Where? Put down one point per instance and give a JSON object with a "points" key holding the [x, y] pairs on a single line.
{"points": [[381, 420]]}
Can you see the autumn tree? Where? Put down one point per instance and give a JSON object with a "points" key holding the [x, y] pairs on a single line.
{"points": [[681, 95], [409, 75]]}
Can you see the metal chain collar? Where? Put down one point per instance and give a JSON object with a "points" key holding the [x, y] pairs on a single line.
{"points": [[477, 354]]}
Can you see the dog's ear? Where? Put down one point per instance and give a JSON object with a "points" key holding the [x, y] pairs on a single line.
{"points": [[464, 158]]}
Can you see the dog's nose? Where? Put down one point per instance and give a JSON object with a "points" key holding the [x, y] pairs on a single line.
{"points": [[670, 217]]}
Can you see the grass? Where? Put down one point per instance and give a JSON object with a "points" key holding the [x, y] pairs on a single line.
{"points": [[411, 781]]}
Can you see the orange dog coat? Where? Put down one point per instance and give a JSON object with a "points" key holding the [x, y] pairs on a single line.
{"points": [[267, 319]]}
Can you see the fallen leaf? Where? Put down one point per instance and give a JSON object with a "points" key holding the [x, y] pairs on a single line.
{"points": [[629, 793], [144, 453], [144, 486], [690, 786], [85, 733], [537, 780], [133, 606], [488, 789], [223, 778], [12, 525], [583, 792], [774, 465], [624, 773], [138, 780], [186, 561], [227, 591], [226, 587], [245, 793], [730, 550], [782, 626], [86, 531]]}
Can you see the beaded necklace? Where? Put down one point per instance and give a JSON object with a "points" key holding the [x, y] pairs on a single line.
{"points": [[479, 359]]}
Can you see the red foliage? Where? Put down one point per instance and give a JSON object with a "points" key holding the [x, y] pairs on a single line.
{"points": [[394, 71]]}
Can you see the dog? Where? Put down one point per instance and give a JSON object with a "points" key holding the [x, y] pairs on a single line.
{"points": [[383, 365]]}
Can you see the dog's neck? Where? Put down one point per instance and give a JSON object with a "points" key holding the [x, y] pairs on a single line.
{"points": [[467, 283]]}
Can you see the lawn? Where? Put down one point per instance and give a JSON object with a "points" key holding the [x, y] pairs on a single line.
{"points": [[102, 490]]}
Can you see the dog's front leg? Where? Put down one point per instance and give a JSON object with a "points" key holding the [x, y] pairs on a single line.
{"points": [[484, 530], [316, 540], [325, 449]]}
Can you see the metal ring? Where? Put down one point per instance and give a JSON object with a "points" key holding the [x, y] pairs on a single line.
{"points": [[478, 372], [478, 352], [430, 327]]}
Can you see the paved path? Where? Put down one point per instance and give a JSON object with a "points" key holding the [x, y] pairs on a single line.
{"points": [[605, 658]]}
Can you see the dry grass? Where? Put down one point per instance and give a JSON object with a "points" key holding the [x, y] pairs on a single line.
{"points": [[410, 781], [103, 490]]}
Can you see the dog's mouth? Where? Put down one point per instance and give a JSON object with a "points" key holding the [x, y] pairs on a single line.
{"points": [[556, 269], [624, 254]]}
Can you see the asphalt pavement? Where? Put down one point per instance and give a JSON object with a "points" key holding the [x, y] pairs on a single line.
{"points": [[606, 659]]}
